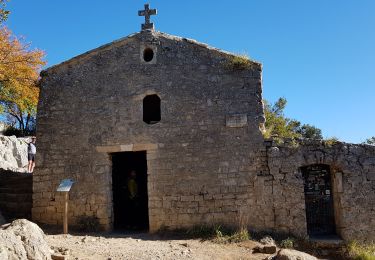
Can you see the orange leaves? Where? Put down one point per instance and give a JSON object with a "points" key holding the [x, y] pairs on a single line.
{"points": [[19, 72]]}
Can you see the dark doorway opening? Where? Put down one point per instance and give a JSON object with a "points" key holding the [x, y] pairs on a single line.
{"points": [[129, 184], [319, 200]]}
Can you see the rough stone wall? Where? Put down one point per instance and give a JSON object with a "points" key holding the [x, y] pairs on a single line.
{"points": [[15, 194], [204, 156], [353, 179]]}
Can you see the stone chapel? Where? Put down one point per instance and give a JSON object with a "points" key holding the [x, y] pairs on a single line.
{"points": [[185, 122]]}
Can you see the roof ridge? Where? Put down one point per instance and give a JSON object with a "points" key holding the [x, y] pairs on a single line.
{"points": [[126, 38]]}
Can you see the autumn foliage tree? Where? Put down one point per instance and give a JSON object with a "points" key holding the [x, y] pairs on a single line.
{"points": [[19, 72], [3, 12]]}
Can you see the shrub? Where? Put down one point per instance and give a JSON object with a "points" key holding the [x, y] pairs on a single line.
{"points": [[219, 234], [11, 130], [205, 231], [88, 223], [361, 251], [238, 236], [331, 141], [287, 243], [239, 62]]}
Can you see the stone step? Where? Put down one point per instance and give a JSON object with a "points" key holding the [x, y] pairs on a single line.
{"points": [[330, 246], [327, 242]]}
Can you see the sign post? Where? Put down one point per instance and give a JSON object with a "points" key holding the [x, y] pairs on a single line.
{"points": [[65, 186]]}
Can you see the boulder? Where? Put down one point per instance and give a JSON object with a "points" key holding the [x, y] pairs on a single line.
{"points": [[290, 254], [13, 153], [268, 246], [268, 249], [11, 246], [267, 240], [23, 239]]}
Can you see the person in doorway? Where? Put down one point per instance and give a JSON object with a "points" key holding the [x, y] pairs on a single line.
{"points": [[31, 152], [132, 188]]}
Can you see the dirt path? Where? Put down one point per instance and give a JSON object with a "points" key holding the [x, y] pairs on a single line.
{"points": [[146, 246]]}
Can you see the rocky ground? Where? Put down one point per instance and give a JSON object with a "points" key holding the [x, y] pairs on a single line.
{"points": [[145, 246], [23, 239]]}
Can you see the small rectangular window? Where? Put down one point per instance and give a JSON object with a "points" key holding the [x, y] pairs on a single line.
{"points": [[151, 109]]}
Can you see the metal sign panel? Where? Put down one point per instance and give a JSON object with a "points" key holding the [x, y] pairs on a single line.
{"points": [[65, 185]]}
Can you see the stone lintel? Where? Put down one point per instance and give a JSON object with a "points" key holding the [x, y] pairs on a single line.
{"points": [[126, 148]]}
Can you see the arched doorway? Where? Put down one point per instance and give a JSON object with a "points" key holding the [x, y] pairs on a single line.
{"points": [[319, 200]]}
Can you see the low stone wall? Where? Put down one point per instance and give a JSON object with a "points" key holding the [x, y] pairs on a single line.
{"points": [[352, 170], [15, 195]]}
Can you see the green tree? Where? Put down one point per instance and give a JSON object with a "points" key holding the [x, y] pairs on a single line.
{"points": [[310, 131], [370, 141], [277, 124]]}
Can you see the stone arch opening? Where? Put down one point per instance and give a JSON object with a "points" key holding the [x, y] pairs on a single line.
{"points": [[318, 189], [151, 109]]}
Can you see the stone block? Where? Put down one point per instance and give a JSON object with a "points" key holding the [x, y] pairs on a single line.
{"points": [[144, 147], [371, 175], [236, 120], [108, 149], [187, 198], [337, 180], [51, 210]]}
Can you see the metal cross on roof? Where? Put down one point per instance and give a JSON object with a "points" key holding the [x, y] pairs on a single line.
{"points": [[147, 13]]}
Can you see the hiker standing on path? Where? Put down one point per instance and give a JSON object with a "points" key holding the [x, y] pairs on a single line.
{"points": [[31, 151]]}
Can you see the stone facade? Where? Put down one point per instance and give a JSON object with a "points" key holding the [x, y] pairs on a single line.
{"points": [[207, 161], [201, 157]]}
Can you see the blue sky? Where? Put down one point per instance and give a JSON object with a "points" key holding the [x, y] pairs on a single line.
{"points": [[319, 55]]}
